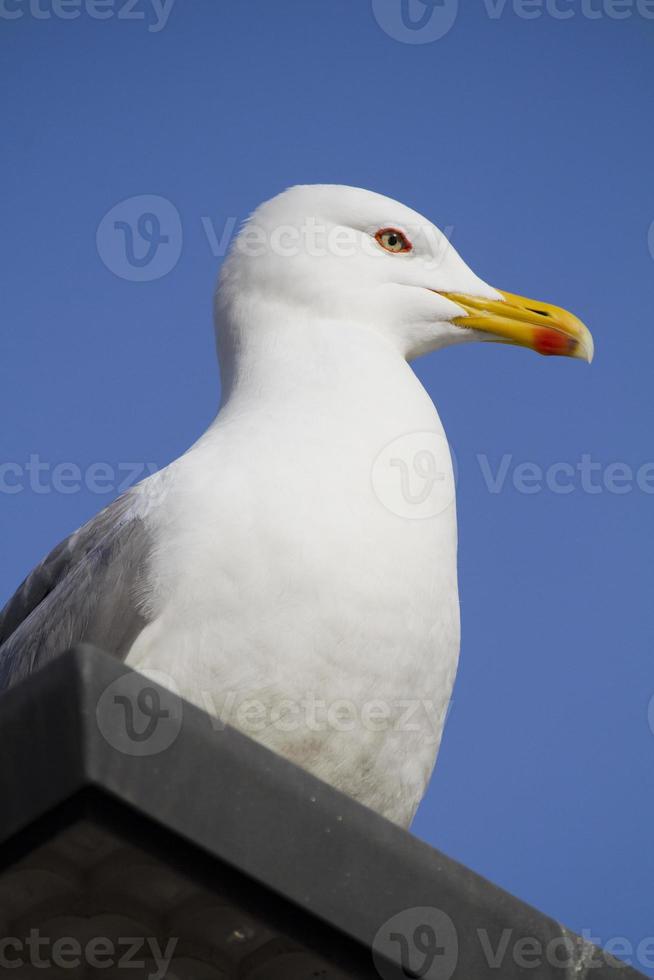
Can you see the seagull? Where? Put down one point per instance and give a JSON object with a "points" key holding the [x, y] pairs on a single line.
{"points": [[294, 573]]}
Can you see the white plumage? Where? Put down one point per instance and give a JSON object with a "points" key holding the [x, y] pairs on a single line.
{"points": [[288, 572]]}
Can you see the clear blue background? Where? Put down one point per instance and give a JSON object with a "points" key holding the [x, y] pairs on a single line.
{"points": [[532, 140]]}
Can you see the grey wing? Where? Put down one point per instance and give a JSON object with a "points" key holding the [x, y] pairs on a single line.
{"points": [[85, 590]]}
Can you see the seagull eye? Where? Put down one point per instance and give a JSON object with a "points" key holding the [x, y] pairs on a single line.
{"points": [[393, 240]]}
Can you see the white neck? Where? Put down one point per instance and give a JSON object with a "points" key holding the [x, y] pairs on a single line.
{"points": [[297, 363]]}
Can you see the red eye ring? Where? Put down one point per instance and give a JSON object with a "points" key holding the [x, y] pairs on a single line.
{"points": [[393, 240]]}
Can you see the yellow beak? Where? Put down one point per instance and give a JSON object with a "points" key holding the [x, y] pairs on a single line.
{"points": [[526, 322]]}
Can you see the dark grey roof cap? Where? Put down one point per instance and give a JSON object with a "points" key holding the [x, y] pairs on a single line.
{"points": [[128, 806]]}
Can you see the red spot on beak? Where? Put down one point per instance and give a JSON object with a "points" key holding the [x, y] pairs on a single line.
{"points": [[547, 341]]}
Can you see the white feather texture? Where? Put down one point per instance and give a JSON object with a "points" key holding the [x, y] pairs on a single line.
{"points": [[296, 589]]}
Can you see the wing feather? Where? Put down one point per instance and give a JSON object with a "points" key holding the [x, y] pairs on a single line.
{"points": [[86, 589]]}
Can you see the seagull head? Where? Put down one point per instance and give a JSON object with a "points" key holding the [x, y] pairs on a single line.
{"points": [[356, 258]]}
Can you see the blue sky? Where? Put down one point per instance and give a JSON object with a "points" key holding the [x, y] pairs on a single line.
{"points": [[525, 132]]}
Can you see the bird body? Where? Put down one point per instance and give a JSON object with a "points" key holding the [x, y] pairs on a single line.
{"points": [[297, 589], [294, 573]]}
